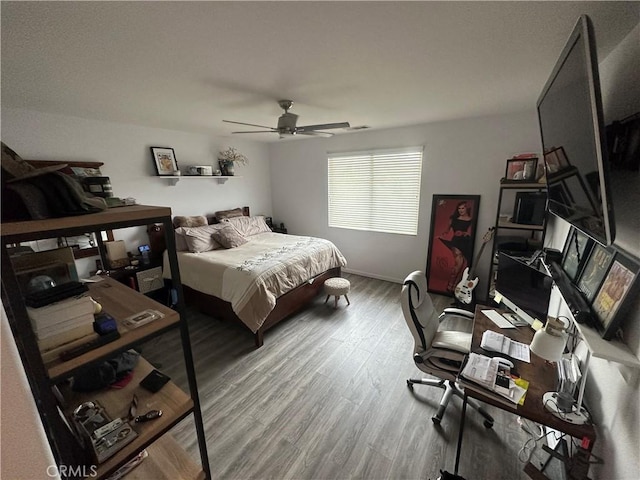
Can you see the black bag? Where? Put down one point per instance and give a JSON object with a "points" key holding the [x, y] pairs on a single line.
{"points": [[101, 375]]}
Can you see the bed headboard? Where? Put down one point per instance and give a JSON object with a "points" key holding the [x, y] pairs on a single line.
{"points": [[155, 232], [211, 219]]}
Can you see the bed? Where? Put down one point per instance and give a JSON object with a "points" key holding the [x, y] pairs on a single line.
{"points": [[258, 282]]}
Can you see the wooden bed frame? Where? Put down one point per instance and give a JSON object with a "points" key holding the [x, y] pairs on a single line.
{"points": [[286, 305]]}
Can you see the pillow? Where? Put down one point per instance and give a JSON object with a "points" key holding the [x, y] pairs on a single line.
{"points": [[181, 243], [199, 239], [222, 214], [248, 226], [228, 236], [198, 221]]}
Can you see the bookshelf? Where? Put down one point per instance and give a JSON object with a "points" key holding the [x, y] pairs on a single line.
{"points": [[507, 226], [48, 376]]}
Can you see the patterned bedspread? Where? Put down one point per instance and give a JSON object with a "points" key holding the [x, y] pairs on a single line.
{"points": [[251, 277]]}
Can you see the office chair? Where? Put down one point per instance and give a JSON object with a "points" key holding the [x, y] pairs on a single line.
{"points": [[437, 351]]}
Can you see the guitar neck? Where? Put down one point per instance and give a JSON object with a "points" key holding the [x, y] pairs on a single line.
{"points": [[488, 237]]}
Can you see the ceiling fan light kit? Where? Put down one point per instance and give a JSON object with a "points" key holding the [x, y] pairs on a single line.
{"points": [[287, 124]]}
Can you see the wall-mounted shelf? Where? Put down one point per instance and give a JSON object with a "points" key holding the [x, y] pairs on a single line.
{"points": [[174, 179]]}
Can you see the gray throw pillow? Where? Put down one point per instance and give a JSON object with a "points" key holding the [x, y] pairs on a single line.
{"points": [[228, 236]]}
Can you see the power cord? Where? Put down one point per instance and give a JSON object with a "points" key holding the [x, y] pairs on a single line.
{"points": [[536, 433]]}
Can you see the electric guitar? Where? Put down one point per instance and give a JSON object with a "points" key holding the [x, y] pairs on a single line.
{"points": [[464, 289]]}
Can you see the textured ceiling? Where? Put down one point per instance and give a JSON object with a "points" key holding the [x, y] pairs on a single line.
{"points": [[189, 65]]}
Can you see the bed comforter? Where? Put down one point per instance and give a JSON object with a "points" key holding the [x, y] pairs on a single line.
{"points": [[252, 276]]}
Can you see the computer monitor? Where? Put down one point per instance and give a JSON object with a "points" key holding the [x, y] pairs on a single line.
{"points": [[523, 288]]}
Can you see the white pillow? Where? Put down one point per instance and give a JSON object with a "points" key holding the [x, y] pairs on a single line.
{"points": [[248, 226], [199, 239]]}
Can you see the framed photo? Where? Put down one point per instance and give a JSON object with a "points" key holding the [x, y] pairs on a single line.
{"points": [[609, 302], [575, 253], [452, 238], [521, 170], [594, 271], [164, 160], [556, 160]]}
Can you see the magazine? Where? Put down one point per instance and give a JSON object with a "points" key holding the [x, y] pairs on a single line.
{"points": [[493, 376]]}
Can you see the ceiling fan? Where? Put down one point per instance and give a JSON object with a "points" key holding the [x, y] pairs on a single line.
{"points": [[287, 124]]}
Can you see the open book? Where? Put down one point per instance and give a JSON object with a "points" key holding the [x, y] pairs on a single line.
{"points": [[497, 342], [494, 376]]}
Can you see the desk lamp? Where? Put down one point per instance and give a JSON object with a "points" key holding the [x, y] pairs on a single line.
{"points": [[549, 343]]}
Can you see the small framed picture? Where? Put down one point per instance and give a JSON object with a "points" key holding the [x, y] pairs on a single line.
{"points": [[576, 252], [556, 160], [521, 170], [609, 303], [594, 271], [165, 160]]}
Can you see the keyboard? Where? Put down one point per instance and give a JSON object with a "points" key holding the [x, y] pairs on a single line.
{"points": [[55, 294]]}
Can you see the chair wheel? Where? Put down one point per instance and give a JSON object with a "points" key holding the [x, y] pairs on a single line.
{"points": [[436, 420], [487, 424], [410, 385]]}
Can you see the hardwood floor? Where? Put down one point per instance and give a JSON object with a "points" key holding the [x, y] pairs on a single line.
{"points": [[326, 398]]}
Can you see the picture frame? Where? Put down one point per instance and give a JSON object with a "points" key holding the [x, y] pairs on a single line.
{"points": [[555, 160], [164, 158], [594, 271], [451, 241], [610, 303], [521, 170], [575, 253]]}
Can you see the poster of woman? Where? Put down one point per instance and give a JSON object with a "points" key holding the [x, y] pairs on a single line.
{"points": [[452, 238]]}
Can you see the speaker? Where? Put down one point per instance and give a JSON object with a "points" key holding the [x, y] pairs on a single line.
{"points": [[530, 208]]}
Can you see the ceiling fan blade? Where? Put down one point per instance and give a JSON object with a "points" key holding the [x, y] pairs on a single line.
{"points": [[323, 126], [249, 124], [258, 131], [316, 133]]}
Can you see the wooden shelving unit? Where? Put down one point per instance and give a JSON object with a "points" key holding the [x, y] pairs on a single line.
{"points": [[48, 380]]}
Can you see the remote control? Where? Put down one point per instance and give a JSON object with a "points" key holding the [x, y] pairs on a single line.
{"points": [[86, 347]]}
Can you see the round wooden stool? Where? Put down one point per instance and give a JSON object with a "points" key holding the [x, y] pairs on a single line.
{"points": [[337, 286]]}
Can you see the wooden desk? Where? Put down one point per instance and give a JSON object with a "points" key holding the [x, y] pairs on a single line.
{"points": [[542, 377]]}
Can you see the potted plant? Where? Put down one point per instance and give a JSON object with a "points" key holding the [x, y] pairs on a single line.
{"points": [[228, 158]]}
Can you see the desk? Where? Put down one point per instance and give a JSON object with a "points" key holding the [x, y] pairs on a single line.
{"points": [[542, 377]]}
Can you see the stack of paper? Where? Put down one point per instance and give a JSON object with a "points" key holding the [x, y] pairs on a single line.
{"points": [[62, 322], [497, 342]]}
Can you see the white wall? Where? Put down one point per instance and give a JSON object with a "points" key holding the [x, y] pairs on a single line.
{"points": [[124, 149], [25, 451], [460, 157]]}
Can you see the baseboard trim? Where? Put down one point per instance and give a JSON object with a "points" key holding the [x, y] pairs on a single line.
{"points": [[373, 275]]}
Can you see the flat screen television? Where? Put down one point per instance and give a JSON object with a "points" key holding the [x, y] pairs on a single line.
{"points": [[523, 288], [571, 126]]}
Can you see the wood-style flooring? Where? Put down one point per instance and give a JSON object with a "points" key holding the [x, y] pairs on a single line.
{"points": [[326, 398]]}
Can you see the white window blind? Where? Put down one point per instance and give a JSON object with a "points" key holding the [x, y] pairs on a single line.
{"points": [[377, 190]]}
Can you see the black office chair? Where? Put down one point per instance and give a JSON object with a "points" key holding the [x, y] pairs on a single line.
{"points": [[440, 342]]}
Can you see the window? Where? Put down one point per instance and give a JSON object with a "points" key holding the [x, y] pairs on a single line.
{"points": [[377, 191]]}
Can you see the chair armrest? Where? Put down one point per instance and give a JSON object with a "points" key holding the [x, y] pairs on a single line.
{"points": [[456, 311]]}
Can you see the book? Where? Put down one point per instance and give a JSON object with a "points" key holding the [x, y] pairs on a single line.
{"points": [[53, 341], [490, 375], [497, 342], [66, 316], [51, 353]]}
